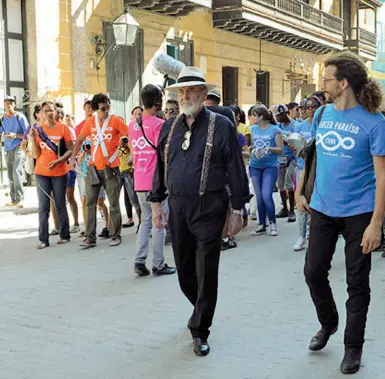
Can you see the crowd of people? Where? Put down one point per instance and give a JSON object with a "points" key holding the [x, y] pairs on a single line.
{"points": [[196, 172]]}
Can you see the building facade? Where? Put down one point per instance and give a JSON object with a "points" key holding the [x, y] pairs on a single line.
{"points": [[255, 50]]}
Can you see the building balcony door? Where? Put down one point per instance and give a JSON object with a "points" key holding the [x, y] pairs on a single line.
{"points": [[230, 85], [263, 88]]}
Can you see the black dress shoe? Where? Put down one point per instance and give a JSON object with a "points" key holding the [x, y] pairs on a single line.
{"points": [[319, 341], [201, 347], [352, 361]]}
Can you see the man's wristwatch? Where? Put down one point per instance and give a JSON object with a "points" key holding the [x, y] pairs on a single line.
{"points": [[237, 212]]}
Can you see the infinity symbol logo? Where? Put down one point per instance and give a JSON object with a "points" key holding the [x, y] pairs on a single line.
{"points": [[108, 137], [140, 143], [261, 144], [331, 141]]}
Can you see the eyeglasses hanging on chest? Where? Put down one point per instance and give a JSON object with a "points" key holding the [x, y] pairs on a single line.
{"points": [[187, 140]]}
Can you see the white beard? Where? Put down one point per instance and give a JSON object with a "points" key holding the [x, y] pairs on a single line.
{"points": [[190, 110]]}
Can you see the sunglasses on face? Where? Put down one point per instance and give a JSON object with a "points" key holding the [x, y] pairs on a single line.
{"points": [[124, 140], [313, 106], [187, 139], [170, 111], [105, 108]]}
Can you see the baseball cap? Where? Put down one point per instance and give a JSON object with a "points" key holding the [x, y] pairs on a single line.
{"points": [[214, 92], [279, 109], [87, 100], [11, 98], [302, 104]]}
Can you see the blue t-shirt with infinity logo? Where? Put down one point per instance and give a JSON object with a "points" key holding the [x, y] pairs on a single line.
{"points": [[346, 142], [304, 129], [262, 139], [286, 131]]}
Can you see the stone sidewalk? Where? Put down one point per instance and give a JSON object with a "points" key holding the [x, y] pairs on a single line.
{"points": [[68, 313]]}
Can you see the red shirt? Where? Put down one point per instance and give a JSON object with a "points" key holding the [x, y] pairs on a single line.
{"points": [[79, 128]]}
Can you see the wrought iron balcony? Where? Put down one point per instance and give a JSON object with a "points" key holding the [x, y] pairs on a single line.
{"points": [[287, 22], [362, 42], [173, 8]]}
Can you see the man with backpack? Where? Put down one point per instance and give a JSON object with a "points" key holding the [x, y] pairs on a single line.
{"points": [[143, 134], [13, 126]]}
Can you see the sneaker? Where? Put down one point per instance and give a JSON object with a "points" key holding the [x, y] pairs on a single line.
{"points": [[291, 217], [253, 216], [75, 229], [300, 244], [165, 270], [115, 241], [230, 244], [104, 234], [261, 229], [273, 229], [283, 213], [141, 269], [87, 243]]}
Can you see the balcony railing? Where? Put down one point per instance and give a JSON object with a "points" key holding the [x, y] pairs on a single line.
{"points": [[364, 36], [304, 12]]}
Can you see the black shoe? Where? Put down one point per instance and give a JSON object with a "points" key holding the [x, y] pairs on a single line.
{"points": [[201, 347], [230, 244], [352, 361], [283, 213], [141, 269], [292, 217], [319, 341], [165, 270], [104, 234]]}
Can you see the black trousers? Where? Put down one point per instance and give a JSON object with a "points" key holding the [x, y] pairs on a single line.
{"points": [[324, 232], [196, 225]]}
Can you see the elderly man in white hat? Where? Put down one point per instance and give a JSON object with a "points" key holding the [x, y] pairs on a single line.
{"points": [[198, 156]]}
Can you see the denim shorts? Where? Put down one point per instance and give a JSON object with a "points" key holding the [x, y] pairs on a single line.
{"points": [[71, 179]]}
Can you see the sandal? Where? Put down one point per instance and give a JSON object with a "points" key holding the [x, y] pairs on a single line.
{"points": [[87, 243], [128, 225], [42, 245], [63, 241], [54, 232]]}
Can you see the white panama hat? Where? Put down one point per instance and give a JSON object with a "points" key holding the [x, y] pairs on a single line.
{"points": [[190, 76]]}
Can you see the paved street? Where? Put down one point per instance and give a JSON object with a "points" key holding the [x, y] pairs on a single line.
{"points": [[72, 314]]}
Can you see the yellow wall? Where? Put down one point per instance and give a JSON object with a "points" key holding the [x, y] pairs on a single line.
{"points": [[66, 52]]}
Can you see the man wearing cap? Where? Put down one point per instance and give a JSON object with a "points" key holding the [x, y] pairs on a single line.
{"points": [[13, 125], [212, 102], [198, 156], [287, 162]]}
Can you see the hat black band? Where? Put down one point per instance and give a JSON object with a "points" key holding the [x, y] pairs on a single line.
{"points": [[191, 79]]}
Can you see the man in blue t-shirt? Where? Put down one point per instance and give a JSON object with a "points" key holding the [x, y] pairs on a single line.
{"points": [[13, 126], [348, 198], [287, 161]]}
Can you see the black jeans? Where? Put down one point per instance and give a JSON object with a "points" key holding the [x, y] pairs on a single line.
{"points": [[196, 225], [57, 185], [324, 232]]}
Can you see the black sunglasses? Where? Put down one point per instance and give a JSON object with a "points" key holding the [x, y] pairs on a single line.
{"points": [[105, 108], [171, 110], [313, 106]]}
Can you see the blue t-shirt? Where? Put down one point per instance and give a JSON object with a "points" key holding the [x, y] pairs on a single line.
{"points": [[286, 131], [346, 142], [304, 129], [261, 139], [15, 124]]}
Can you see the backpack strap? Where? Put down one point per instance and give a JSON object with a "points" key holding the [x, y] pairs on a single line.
{"points": [[45, 139]]}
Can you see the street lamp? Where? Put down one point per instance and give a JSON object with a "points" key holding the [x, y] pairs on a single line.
{"points": [[125, 29]]}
